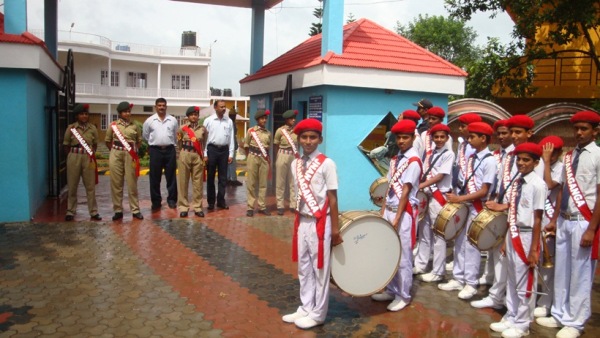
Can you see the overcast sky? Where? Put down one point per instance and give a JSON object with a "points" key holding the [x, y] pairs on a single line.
{"points": [[161, 22]]}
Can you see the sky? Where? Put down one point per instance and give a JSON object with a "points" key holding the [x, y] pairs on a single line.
{"points": [[161, 23]]}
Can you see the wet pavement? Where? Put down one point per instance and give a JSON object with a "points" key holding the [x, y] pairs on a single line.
{"points": [[225, 275]]}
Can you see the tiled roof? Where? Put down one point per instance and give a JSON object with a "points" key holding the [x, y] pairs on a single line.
{"points": [[25, 38], [366, 45]]}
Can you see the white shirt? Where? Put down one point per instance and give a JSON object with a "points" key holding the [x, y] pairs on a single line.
{"points": [[160, 132], [533, 197], [587, 176], [324, 179], [468, 151], [411, 175], [442, 165], [556, 173], [220, 132]]}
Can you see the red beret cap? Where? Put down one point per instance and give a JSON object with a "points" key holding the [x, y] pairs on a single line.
{"points": [[469, 118], [436, 111], [530, 148], [404, 127], [411, 115], [520, 121], [308, 125], [499, 123], [586, 116], [439, 127], [480, 128], [556, 141]]}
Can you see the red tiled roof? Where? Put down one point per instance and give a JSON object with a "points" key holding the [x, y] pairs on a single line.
{"points": [[25, 38], [366, 45]]}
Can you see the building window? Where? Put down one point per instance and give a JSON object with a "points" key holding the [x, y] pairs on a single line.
{"points": [[103, 121], [148, 109], [180, 82], [137, 80], [114, 78], [181, 119]]}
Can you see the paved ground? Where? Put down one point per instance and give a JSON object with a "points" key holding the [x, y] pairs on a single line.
{"points": [[223, 275]]}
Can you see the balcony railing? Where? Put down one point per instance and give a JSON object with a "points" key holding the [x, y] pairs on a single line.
{"points": [[566, 71], [92, 89], [98, 40]]}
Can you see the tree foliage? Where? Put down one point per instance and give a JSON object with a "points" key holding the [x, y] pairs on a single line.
{"points": [[351, 18], [317, 27]]}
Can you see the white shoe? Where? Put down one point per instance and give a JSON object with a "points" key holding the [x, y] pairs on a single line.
{"points": [[500, 326], [540, 312], [429, 277], [484, 280], [467, 292], [382, 297], [568, 332], [484, 303], [291, 318], [307, 323], [397, 305], [417, 271], [548, 322], [451, 285], [449, 266], [513, 332]]}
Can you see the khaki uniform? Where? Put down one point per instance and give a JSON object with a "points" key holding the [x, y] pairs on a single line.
{"points": [[285, 156], [190, 165], [122, 166], [79, 165], [257, 168]]}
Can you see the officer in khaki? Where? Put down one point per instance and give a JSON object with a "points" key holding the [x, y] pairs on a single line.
{"points": [[286, 152], [79, 162], [257, 163], [121, 163], [191, 138]]}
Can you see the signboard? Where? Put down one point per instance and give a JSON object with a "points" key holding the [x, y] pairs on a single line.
{"points": [[261, 103], [315, 107]]}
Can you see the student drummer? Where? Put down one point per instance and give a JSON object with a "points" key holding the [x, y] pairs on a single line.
{"points": [[400, 209], [577, 230], [525, 209], [315, 227], [480, 175], [418, 144], [436, 182]]}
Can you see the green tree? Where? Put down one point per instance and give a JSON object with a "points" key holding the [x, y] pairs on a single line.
{"points": [[317, 27], [351, 18]]}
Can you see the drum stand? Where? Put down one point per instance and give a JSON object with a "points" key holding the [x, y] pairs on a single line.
{"points": [[544, 285]]}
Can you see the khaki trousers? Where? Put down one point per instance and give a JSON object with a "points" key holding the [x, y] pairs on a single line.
{"points": [[78, 166], [121, 167], [258, 173], [284, 180], [190, 165]]}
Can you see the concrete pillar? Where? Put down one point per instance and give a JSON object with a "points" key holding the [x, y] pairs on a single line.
{"points": [[257, 36], [333, 27], [15, 16], [51, 26]]}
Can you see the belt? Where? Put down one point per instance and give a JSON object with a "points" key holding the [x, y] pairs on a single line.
{"points": [[576, 216], [306, 215], [392, 209], [288, 151], [77, 150], [162, 147], [218, 146], [525, 229], [120, 145], [188, 148]]}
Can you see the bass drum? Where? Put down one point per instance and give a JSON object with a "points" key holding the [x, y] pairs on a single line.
{"points": [[488, 229], [451, 220], [368, 258], [378, 190]]}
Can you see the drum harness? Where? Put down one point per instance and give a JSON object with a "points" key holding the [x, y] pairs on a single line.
{"points": [[464, 186]]}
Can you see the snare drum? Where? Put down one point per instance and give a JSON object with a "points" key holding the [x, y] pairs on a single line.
{"points": [[423, 204], [451, 220], [378, 190], [488, 229], [368, 258]]}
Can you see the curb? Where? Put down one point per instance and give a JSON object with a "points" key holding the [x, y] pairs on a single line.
{"points": [[145, 172]]}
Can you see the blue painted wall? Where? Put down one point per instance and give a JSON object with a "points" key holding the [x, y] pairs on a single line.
{"points": [[24, 165]]}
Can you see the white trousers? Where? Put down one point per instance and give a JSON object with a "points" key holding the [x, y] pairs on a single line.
{"points": [[497, 291], [519, 308], [427, 240], [401, 284], [574, 278], [314, 283], [466, 256]]}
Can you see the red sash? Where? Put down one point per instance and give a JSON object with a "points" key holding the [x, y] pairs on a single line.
{"points": [[579, 199], [516, 238], [497, 155], [428, 146], [87, 149], [288, 137], [309, 198], [462, 162], [471, 184], [397, 189], [192, 135], [130, 150], [506, 171]]}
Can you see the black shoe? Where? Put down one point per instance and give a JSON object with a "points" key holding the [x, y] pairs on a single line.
{"points": [[199, 213], [264, 212], [69, 218], [223, 206], [96, 217], [250, 213], [172, 205], [183, 214], [292, 210], [229, 183], [211, 207], [117, 216], [138, 215], [236, 183], [155, 207], [280, 211]]}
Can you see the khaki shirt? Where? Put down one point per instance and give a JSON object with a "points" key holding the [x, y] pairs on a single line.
{"points": [[282, 141], [131, 132], [263, 135], [199, 131], [87, 131]]}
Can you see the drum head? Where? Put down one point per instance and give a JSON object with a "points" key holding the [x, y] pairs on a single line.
{"points": [[368, 258], [456, 222], [493, 232], [378, 190]]}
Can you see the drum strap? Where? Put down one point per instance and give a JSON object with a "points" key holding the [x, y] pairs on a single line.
{"points": [[430, 165], [130, 149], [477, 204], [87, 149]]}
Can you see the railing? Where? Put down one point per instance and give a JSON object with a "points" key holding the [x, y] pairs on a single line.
{"points": [[98, 40], [93, 89], [566, 71]]}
